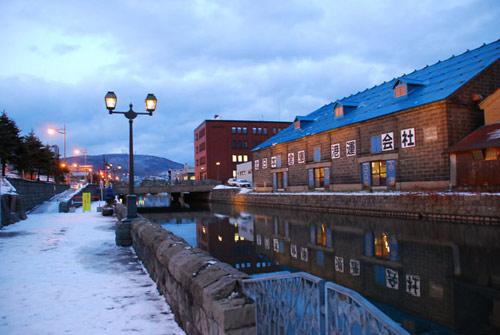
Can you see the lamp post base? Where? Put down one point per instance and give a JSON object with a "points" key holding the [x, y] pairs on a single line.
{"points": [[131, 206]]}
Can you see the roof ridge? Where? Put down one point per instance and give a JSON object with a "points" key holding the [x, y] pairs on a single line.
{"points": [[426, 66]]}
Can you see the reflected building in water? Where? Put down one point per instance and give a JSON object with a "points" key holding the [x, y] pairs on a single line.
{"points": [[442, 272]]}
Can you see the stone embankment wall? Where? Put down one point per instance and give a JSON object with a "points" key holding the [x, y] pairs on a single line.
{"points": [[204, 294], [452, 207], [33, 193]]}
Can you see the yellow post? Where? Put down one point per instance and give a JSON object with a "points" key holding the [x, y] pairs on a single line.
{"points": [[86, 202]]}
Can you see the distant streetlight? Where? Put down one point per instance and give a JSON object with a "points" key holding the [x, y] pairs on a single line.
{"points": [[110, 99], [53, 131], [218, 166]]}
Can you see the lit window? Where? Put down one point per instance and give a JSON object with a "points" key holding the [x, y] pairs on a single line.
{"points": [[382, 246], [234, 173], [321, 236], [234, 158], [339, 111], [379, 173], [400, 90], [245, 158], [240, 158], [319, 177]]}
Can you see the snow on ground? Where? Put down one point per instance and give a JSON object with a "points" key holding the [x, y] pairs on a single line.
{"points": [[63, 274]]}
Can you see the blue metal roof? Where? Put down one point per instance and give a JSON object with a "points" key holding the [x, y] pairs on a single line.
{"points": [[429, 84]]}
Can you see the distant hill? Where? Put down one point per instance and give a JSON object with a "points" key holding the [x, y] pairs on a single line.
{"points": [[145, 165]]}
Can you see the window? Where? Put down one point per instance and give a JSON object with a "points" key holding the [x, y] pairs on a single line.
{"points": [[317, 154], [321, 236], [244, 130], [234, 173], [382, 248], [339, 111], [319, 177], [245, 158], [379, 173], [238, 130], [240, 158], [234, 144], [254, 131], [265, 131], [274, 131], [400, 90], [245, 145], [259, 131], [234, 158], [233, 130]]}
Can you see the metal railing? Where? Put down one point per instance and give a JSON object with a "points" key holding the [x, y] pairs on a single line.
{"points": [[300, 303]]}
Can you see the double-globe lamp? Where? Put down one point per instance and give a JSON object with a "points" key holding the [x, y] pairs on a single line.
{"points": [[111, 101]]}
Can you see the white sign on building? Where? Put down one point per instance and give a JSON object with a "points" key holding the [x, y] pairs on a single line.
{"points": [[408, 138], [387, 141], [244, 171]]}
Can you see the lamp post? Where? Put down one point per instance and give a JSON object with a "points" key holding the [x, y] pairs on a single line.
{"points": [[62, 131], [110, 100]]}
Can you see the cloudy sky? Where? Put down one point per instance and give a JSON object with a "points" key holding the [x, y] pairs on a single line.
{"points": [[254, 60]]}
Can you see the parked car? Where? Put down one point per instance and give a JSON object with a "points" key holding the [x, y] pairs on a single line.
{"points": [[232, 181], [243, 183]]}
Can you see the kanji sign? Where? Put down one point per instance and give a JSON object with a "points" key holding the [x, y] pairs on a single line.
{"points": [[304, 254], [301, 157], [391, 279], [350, 148], [354, 267], [264, 163], [258, 239], [413, 285], [408, 138], [335, 150], [291, 158], [256, 164], [293, 250], [276, 245], [387, 140], [339, 264], [273, 161]]}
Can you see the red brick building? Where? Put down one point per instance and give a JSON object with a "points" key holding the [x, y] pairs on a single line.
{"points": [[221, 144], [396, 135]]}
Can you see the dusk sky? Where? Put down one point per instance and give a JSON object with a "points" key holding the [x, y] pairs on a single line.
{"points": [[252, 60]]}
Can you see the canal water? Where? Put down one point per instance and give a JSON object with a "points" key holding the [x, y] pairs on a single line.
{"points": [[435, 277]]}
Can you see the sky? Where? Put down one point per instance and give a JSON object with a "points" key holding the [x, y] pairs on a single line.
{"points": [[251, 60]]}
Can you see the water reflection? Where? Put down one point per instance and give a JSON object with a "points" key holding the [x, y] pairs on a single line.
{"points": [[448, 273]]}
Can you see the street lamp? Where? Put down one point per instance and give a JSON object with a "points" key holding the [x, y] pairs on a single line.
{"points": [[53, 131], [110, 100], [218, 165]]}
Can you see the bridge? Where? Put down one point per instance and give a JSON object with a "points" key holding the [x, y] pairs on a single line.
{"points": [[156, 187]]}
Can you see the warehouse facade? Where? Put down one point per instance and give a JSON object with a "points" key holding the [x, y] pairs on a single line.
{"points": [[395, 135]]}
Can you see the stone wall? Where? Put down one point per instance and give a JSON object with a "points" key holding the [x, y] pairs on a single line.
{"points": [[452, 207], [33, 193], [204, 294]]}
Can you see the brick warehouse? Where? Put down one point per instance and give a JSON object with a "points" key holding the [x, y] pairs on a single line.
{"points": [[393, 136], [228, 142]]}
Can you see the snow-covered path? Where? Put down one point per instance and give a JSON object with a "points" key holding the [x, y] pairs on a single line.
{"points": [[63, 274]]}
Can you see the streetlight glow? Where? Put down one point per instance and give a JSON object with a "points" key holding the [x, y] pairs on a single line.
{"points": [[51, 131], [77, 152], [151, 103], [110, 100]]}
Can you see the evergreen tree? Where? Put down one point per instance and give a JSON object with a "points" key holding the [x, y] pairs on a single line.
{"points": [[30, 157], [9, 141]]}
